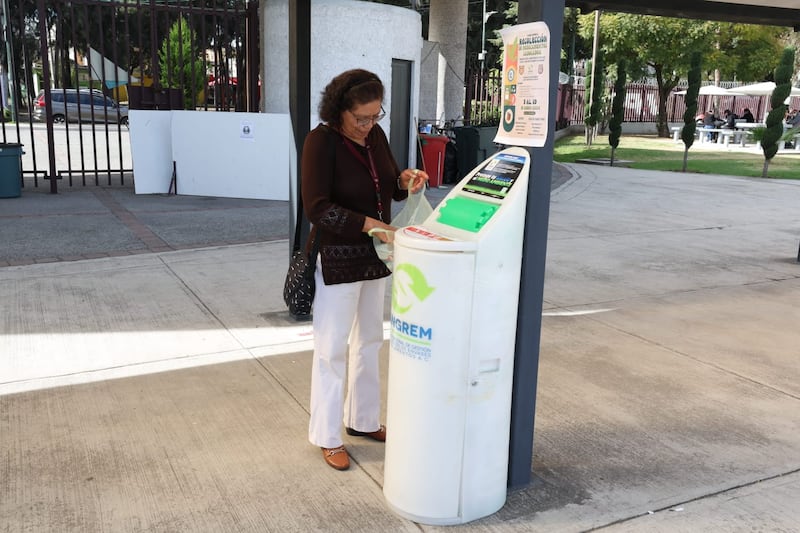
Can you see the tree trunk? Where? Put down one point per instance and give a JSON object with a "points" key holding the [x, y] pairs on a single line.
{"points": [[664, 88], [661, 124], [766, 167], [685, 158], [612, 155]]}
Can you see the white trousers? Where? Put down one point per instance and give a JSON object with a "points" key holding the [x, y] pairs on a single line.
{"points": [[345, 312]]}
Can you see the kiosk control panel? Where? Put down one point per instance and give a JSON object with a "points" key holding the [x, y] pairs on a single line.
{"points": [[497, 182]]}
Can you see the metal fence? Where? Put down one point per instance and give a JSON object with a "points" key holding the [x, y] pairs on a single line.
{"points": [[483, 102], [641, 104], [76, 67]]}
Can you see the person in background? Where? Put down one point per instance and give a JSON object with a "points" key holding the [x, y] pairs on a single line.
{"points": [[349, 179], [709, 123], [747, 116], [792, 121], [730, 119]]}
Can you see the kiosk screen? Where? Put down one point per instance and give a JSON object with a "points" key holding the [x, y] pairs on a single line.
{"points": [[496, 177]]}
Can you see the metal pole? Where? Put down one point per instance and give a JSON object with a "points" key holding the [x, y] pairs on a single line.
{"points": [[483, 38], [51, 151], [595, 43], [10, 55], [482, 54], [534, 250], [299, 92]]}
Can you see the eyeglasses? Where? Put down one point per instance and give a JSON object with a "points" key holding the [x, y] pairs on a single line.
{"points": [[366, 121]]}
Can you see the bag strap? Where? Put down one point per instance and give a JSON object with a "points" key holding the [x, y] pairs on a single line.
{"points": [[369, 163], [315, 244]]}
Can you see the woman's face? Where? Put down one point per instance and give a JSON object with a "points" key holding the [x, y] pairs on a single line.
{"points": [[358, 120]]}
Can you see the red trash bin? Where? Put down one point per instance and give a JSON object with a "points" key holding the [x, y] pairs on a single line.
{"points": [[433, 148]]}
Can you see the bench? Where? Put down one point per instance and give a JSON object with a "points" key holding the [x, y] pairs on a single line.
{"points": [[744, 136], [724, 136], [704, 133], [698, 133]]}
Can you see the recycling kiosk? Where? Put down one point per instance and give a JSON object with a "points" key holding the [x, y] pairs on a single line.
{"points": [[453, 327]]}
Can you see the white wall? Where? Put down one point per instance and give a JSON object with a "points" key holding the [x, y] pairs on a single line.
{"points": [[345, 34], [228, 155], [151, 150]]}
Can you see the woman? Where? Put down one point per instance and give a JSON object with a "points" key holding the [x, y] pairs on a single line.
{"points": [[349, 179]]}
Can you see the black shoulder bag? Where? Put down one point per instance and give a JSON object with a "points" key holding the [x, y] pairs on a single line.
{"points": [[299, 286]]}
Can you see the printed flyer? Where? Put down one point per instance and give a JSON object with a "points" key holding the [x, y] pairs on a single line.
{"points": [[526, 85]]}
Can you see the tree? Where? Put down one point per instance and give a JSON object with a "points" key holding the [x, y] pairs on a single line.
{"points": [[23, 23], [595, 88], [774, 122], [657, 46], [743, 51], [617, 109], [689, 120], [180, 62], [791, 39]]}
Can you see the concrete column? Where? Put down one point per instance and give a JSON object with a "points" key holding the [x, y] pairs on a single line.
{"points": [[448, 27], [428, 81], [274, 55]]}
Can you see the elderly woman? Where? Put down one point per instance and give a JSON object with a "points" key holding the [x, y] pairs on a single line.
{"points": [[349, 179]]}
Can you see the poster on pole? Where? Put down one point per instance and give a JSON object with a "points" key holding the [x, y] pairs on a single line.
{"points": [[526, 85]]}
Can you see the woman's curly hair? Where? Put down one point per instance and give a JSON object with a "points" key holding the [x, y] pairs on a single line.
{"points": [[350, 88]]}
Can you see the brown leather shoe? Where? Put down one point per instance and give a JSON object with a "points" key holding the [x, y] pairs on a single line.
{"points": [[336, 457], [379, 435]]}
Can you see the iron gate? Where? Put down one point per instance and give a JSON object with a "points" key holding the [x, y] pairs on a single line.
{"points": [[76, 67]]}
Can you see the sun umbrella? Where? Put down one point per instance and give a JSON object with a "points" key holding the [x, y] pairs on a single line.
{"points": [[760, 89], [713, 90]]}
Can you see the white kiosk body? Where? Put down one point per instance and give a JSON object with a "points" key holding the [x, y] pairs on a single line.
{"points": [[454, 318]]}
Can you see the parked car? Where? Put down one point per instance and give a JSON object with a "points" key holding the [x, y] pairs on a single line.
{"points": [[81, 104]]}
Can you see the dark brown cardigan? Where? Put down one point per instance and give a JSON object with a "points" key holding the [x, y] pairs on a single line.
{"points": [[339, 194]]}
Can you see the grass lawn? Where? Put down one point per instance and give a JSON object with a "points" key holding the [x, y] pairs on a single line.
{"points": [[649, 152]]}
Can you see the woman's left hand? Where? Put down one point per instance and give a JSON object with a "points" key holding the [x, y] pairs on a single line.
{"points": [[419, 177]]}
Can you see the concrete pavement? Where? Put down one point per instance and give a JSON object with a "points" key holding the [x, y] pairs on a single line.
{"points": [[168, 391], [94, 222]]}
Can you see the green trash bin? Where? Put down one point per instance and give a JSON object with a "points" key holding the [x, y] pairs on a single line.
{"points": [[10, 170]]}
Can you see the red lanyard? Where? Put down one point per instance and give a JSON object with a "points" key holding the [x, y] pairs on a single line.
{"points": [[372, 172]]}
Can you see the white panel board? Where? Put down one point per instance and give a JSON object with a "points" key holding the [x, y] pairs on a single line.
{"points": [[233, 155], [151, 150]]}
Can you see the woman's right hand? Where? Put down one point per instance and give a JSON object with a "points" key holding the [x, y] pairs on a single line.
{"points": [[372, 224]]}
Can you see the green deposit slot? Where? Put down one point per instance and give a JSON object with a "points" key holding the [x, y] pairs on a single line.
{"points": [[466, 213]]}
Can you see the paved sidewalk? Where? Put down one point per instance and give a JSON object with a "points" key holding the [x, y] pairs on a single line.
{"points": [[94, 222], [168, 391]]}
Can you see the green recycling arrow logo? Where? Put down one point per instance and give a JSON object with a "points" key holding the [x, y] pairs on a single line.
{"points": [[409, 287]]}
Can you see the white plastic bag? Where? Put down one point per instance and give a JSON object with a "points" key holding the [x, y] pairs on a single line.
{"points": [[415, 211]]}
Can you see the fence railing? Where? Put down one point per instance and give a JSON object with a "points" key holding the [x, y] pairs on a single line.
{"points": [[641, 104], [78, 66], [484, 99]]}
